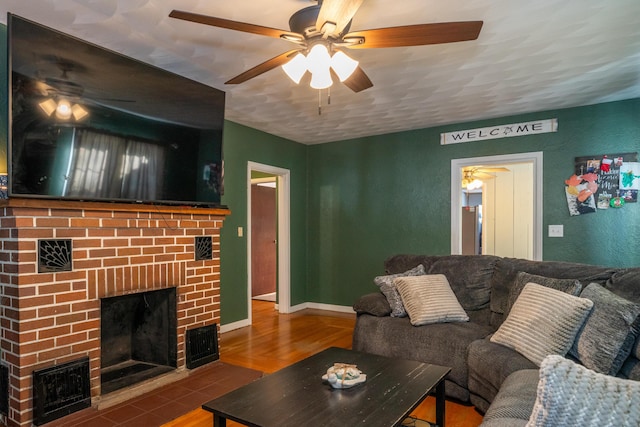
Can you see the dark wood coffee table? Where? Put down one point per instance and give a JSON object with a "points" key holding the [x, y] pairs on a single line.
{"points": [[297, 396]]}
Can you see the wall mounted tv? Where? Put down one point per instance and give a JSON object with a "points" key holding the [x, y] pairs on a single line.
{"points": [[87, 123]]}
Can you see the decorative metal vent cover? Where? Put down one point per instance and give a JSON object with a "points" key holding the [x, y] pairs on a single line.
{"points": [[60, 390], [54, 255], [204, 248], [202, 346]]}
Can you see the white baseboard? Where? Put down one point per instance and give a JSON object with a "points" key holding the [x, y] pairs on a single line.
{"points": [[235, 325], [315, 305]]}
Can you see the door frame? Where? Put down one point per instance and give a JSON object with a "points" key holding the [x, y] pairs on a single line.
{"points": [[456, 195], [283, 185]]}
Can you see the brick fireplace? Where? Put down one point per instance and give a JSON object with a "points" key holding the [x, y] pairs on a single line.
{"points": [[59, 260]]}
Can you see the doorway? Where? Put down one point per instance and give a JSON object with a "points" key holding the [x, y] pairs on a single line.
{"points": [[264, 237], [502, 196], [281, 177]]}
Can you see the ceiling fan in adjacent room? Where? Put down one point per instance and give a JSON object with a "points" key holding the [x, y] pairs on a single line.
{"points": [[472, 176], [322, 33]]}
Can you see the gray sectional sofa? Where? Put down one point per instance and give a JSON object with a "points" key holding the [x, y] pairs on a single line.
{"points": [[496, 378]]}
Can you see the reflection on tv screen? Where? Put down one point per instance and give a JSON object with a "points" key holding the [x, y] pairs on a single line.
{"points": [[90, 124]]}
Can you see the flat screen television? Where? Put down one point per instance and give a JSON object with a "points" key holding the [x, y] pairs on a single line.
{"points": [[87, 123]]}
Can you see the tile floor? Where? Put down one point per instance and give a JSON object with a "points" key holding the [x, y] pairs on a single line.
{"points": [[166, 403]]}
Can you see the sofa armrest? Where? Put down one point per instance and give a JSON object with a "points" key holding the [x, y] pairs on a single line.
{"points": [[374, 303]]}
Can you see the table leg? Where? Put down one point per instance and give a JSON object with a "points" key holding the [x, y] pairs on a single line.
{"points": [[219, 421], [440, 404]]}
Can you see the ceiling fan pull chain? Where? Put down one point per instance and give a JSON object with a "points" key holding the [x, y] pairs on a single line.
{"points": [[319, 102], [329, 95]]}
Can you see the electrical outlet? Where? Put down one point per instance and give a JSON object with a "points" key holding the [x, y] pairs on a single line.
{"points": [[240, 232], [556, 231]]}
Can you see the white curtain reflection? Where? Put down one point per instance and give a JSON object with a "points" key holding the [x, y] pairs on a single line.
{"points": [[110, 166]]}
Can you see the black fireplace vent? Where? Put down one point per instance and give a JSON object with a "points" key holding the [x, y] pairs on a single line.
{"points": [[202, 346], [4, 389], [61, 390], [54, 255], [203, 248]]}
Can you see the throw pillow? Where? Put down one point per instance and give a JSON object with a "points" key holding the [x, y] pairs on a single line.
{"points": [[569, 286], [572, 395], [542, 321], [373, 303], [389, 289], [609, 334], [429, 299]]}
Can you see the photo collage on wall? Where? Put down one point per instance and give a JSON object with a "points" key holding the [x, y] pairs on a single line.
{"points": [[602, 182]]}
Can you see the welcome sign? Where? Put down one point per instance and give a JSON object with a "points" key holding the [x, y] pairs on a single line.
{"points": [[501, 131]]}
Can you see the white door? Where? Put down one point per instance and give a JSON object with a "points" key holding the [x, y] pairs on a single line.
{"points": [[507, 202]]}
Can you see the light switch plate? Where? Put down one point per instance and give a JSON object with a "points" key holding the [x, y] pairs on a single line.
{"points": [[240, 232], [556, 231]]}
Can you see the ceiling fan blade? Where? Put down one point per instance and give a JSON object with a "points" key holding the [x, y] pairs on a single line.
{"points": [[500, 169], [235, 25], [358, 81], [482, 175], [262, 68], [415, 35], [336, 14]]}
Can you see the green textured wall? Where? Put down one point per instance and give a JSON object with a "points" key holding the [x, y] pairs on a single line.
{"points": [[241, 145], [373, 197]]}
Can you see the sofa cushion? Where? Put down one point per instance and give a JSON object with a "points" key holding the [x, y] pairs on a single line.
{"points": [[624, 282], [609, 333], [514, 402], [374, 303], [469, 277], [429, 299], [440, 343], [602, 400], [403, 262], [543, 321], [489, 366], [389, 290], [569, 286], [506, 270], [630, 369]]}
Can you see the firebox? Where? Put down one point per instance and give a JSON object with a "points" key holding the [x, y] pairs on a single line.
{"points": [[139, 341]]}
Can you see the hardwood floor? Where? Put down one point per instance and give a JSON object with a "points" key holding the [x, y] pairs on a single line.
{"points": [[276, 340]]}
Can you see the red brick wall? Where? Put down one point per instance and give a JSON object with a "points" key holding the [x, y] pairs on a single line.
{"points": [[52, 318]]}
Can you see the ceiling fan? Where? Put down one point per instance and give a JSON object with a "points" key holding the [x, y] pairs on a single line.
{"points": [[61, 95], [328, 24], [473, 176]]}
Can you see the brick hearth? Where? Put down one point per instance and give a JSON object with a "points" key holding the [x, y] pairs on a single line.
{"points": [[53, 317]]}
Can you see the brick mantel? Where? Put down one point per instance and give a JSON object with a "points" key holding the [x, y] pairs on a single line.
{"points": [[50, 318]]}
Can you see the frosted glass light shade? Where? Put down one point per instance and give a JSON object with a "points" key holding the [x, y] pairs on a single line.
{"points": [[79, 112], [475, 184], [48, 106], [343, 65], [318, 59], [321, 79], [64, 110], [296, 68]]}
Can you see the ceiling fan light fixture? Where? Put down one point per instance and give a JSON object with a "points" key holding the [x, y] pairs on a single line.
{"points": [[48, 106], [343, 65], [318, 59], [78, 112], [296, 68], [474, 185], [63, 111], [321, 78]]}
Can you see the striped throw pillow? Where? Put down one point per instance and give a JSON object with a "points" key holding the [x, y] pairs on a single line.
{"points": [[542, 321], [429, 299]]}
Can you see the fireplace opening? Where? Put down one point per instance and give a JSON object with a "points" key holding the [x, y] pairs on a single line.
{"points": [[138, 333]]}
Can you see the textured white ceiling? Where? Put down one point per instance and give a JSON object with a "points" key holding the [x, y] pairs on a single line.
{"points": [[530, 56]]}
